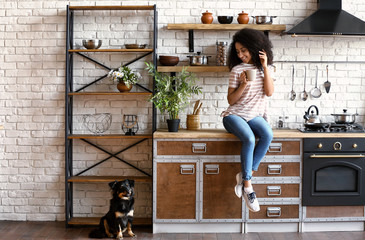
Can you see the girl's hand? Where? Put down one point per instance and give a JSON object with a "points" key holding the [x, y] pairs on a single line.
{"points": [[263, 58], [243, 78]]}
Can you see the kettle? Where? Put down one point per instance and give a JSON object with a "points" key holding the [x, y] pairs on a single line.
{"points": [[310, 117]]}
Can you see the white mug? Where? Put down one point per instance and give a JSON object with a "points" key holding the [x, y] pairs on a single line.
{"points": [[251, 74]]}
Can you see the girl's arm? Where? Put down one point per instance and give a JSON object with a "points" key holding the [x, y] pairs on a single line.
{"points": [[268, 81], [234, 94]]}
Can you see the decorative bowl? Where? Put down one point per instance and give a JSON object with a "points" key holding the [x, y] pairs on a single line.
{"points": [[135, 46], [169, 60], [225, 19], [97, 123], [92, 43]]}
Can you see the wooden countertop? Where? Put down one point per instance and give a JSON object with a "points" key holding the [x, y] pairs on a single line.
{"points": [[222, 133]]}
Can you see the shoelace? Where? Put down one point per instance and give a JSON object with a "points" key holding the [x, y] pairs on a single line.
{"points": [[251, 197]]}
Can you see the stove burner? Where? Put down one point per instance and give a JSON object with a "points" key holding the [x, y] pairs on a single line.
{"points": [[334, 128]]}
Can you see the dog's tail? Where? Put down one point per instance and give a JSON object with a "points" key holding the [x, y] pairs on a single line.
{"points": [[97, 233]]}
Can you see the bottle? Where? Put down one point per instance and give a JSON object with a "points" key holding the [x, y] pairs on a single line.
{"points": [[207, 17], [222, 49], [280, 123]]}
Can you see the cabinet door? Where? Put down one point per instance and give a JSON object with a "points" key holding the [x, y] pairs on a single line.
{"points": [[176, 191], [219, 198]]}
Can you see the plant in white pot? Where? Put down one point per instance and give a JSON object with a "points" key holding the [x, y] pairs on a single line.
{"points": [[172, 93]]}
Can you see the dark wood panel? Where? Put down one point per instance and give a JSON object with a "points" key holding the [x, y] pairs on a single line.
{"points": [[287, 148], [186, 148], [287, 190], [176, 192], [219, 200], [287, 211], [287, 169], [334, 211]]}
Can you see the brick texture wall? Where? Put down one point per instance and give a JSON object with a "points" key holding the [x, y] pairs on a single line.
{"points": [[32, 86]]}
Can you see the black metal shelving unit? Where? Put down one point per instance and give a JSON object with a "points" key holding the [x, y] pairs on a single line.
{"points": [[70, 93]]}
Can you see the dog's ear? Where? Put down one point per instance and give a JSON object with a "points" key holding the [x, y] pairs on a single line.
{"points": [[131, 183], [112, 184]]}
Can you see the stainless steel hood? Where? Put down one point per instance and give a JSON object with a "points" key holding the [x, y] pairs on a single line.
{"points": [[330, 19]]}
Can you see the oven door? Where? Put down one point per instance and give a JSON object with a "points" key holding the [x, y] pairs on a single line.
{"points": [[333, 179]]}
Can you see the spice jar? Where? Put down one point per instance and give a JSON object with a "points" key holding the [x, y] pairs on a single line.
{"points": [[207, 17], [222, 49], [243, 18]]}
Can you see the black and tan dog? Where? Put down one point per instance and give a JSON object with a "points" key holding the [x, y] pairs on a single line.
{"points": [[120, 215]]}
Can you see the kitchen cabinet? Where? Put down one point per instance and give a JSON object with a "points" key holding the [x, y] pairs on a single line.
{"points": [[94, 140]]}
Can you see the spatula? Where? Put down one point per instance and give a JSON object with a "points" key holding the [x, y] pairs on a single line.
{"points": [[327, 84]]}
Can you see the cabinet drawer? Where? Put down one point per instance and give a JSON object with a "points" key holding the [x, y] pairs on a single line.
{"points": [[221, 148], [198, 148], [278, 169], [275, 212], [277, 190], [334, 211]]}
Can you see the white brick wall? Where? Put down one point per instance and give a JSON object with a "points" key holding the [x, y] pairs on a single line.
{"points": [[32, 88]]}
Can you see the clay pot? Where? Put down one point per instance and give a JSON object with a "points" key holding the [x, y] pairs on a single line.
{"points": [[207, 17], [243, 18], [124, 88]]}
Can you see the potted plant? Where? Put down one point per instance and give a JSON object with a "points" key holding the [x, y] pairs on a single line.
{"points": [[172, 93], [125, 77]]}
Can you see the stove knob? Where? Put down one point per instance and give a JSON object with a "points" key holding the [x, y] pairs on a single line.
{"points": [[320, 145], [354, 145]]}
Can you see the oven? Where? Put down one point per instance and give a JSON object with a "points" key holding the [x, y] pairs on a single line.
{"points": [[333, 172]]}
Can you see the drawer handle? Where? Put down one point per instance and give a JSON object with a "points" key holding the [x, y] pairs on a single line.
{"points": [[199, 147], [211, 169], [187, 169], [273, 190], [274, 169], [275, 147], [273, 212]]}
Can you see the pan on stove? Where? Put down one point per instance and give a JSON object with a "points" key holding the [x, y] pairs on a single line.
{"points": [[316, 125]]}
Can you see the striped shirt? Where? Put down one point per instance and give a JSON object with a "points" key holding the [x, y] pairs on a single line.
{"points": [[252, 102]]}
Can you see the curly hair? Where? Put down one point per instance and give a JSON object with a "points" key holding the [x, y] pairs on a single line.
{"points": [[254, 41]]}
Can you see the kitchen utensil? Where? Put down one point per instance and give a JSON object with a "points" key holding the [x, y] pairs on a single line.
{"points": [[304, 94], [97, 123], [196, 105], [316, 92], [310, 117], [135, 46], [345, 118], [292, 93], [92, 43], [197, 112], [327, 84], [225, 19], [198, 59], [168, 60], [263, 19], [316, 125]]}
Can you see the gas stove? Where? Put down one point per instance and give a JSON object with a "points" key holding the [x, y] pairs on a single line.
{"points": [[333, 128]]}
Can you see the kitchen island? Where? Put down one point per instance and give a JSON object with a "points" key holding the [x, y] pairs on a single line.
{"points": [[194, 179]]}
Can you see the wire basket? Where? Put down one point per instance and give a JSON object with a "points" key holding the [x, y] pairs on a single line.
{"points": [[97, 123]]}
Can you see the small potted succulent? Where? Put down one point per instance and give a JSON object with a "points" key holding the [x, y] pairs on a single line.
{"points": [[125, 77], [172, 93]]}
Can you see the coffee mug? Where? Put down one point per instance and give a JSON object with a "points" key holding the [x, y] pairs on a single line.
{"points": [[251, 74]]}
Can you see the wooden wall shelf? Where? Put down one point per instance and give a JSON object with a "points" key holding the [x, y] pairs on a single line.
{"points": [[94, 221], [106, 136], [101, 179], [108, 93], [227, 27], [111, 7], [110, 50], [193, 68]]}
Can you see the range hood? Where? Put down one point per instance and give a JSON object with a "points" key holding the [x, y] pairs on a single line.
{"points": [[330, 19]]}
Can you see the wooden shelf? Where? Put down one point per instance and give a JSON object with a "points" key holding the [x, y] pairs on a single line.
{"points": [[106, 136], [110, 50], [101, 179], [193, 68], [109, 93], [94, 221], [111, 7], [228, 27]]}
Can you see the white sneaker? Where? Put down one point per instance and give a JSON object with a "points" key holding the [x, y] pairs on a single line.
{"points": [[251, 201], [239, 186]]}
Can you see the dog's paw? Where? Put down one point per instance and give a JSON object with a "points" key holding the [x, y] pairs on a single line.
{"points": [[131, 234]]}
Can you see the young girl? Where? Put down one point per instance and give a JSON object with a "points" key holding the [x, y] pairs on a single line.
{"points": [[246, 115]]}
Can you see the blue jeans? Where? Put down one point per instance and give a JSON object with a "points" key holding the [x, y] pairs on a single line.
{"points": [[247, 132]]}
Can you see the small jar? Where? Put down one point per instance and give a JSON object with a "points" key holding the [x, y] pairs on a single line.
{"points": [[243, 18], [207, 17], [222, 50]]}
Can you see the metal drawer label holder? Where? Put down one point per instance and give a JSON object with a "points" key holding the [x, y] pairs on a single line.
{"points": [[273, 190], [199, 147], [274, 169], [187, 169], [211, 169], [275, 147], [273, 212]]}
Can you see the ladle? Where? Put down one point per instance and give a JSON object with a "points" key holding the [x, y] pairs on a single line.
{"points": [[292, 93], [304, 95], [316, 92]]}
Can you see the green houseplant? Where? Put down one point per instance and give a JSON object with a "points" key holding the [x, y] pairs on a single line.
{"points": [[172, 93], [125, 77]]}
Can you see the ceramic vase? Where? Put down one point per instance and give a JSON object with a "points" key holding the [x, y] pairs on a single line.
{"points": [[122, 87]]}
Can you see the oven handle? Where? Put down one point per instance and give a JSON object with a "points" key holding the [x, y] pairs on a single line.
{"points": [[338, 156]]}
